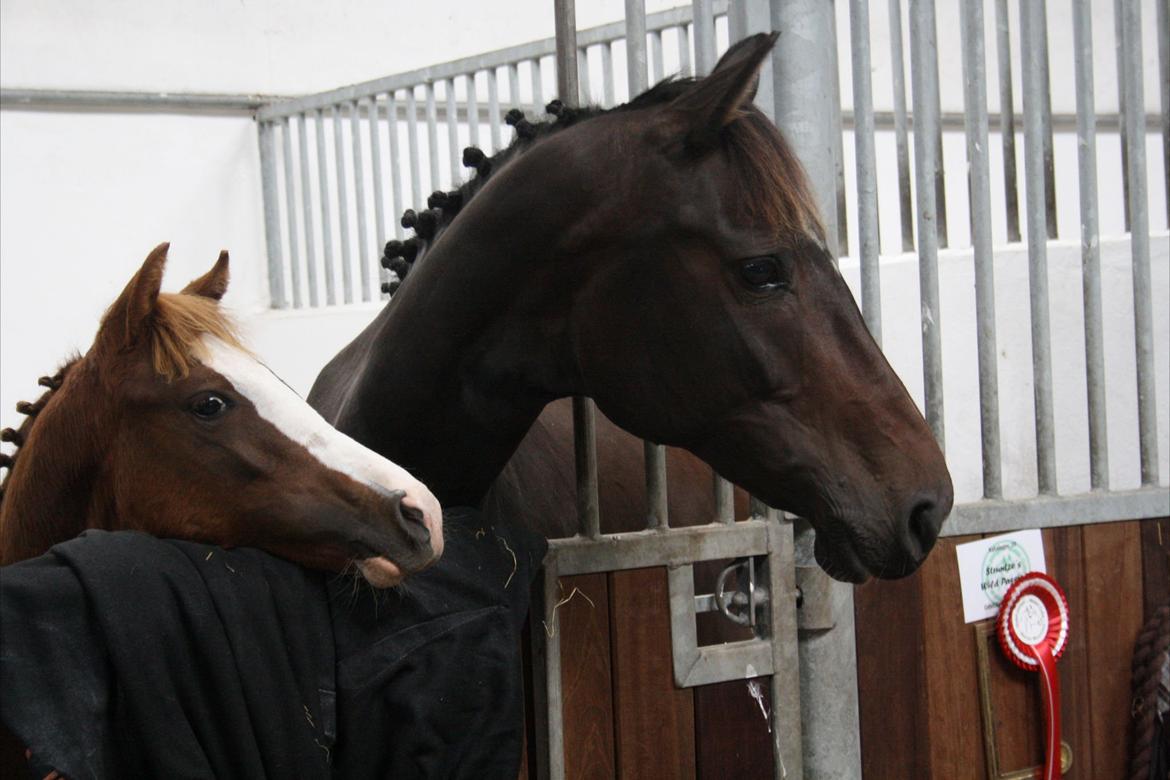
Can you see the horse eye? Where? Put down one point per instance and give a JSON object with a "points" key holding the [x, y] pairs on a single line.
{"points": [[764, 273], [209, 406]]}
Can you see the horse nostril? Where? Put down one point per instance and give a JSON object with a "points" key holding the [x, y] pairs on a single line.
{"points": [[924, 524]]}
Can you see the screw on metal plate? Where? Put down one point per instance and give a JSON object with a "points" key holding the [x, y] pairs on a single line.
{"points": [[814, 601]]}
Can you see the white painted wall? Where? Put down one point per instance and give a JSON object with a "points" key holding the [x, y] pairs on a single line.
{"points": [[84, 196]]}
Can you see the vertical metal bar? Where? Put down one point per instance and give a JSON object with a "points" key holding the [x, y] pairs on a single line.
{"points": [[1163, 35], [657, 60], [271, 216], [376, 177], [342, 206], [1135, 142], [803, 102], [537, 85], [684, 52], [454, 151], [940, 190], [432, 137], [636, 46], [656, 506], [839, 150], [1046, 123], [924, 76], [326, 222], [514, 84], [307, 206], [607, 74], [867, 205], [586, 96], [979, 185], [1119, 32], [724, 500], [552, 670], [566, 31], [494, 108], [1033, 73], [412, 146], [472, 110], [905, 195], [1090, 249], [1007, 118], [395, 163], [359, 203], [703, 14], [786, 668], [290, 208]]}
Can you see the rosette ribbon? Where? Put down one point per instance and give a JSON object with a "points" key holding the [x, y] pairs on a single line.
{"points": [[1032, 626]]}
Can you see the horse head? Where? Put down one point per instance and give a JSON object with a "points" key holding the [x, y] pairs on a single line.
{"points": [[168, 425]]}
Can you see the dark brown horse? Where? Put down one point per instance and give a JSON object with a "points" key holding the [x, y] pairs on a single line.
{"points": [[168, 425], [665, 259]]}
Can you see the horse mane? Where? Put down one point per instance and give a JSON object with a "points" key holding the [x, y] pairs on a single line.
{"points": [[17, 436], [177, 327], [775, 187]]}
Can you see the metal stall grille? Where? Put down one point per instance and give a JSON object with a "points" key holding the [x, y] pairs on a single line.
{"points": [[333, 172]]}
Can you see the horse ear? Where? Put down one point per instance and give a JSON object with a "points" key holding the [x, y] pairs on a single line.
{"points": [[717, 100], [214, 283], [129, 316]]}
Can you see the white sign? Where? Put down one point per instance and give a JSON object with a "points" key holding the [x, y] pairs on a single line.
{"points": [[988, 567]]}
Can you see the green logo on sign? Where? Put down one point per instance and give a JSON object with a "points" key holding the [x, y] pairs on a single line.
{"points": [[1004, 563]]}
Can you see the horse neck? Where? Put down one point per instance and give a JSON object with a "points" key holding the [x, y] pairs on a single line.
{"points": [[52, 493], [452, 373]]}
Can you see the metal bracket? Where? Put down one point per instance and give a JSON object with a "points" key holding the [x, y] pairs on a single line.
{"points": [[814, 600]]}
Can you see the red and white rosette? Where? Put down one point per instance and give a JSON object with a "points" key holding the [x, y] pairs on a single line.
{"points": [[1032, 626]]}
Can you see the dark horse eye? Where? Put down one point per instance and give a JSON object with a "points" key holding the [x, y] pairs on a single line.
{"points": [[209, 406], [765, 273]]}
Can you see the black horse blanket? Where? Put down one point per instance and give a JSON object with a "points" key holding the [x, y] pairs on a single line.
{"points": [[122, 655]]}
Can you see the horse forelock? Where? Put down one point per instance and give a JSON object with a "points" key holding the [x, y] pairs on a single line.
{"points": [[177, 329]]}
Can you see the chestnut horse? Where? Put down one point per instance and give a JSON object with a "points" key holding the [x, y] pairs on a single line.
{"points": [[664, 258], [168, 425]]}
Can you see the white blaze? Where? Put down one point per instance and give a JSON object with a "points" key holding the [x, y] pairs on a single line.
{"points": [[291, 415]]}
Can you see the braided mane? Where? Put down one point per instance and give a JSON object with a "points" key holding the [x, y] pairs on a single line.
{"points": [[17, 436], [776, 189]]}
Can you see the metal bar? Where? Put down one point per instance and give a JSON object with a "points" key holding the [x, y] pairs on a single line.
{"points": [[786, 729], [867, 205], [704, 22], [412, 147], [986, 517], [537, 85], [724, 500], [585, 447], [979, 186], [455, 153], [566, 51], [924, 77], [290, 209], [905, 195], [544, 48], [1046, 121], [684, 52], [636, 46], [552, 669], [326, 223], [656, 506], [514, 84], [359, 202], [307, 205], [395, 164], [376, 177], [342, 207], [838, 148], [271, 216], [494, 108], [657, 60], [110, 100], [940, 190], [432, 138], [607, 81], [1163, 34], [1119, 33], [1033, 73], [1135, 143], [673, 547], [1090, 249], [472, 110], [586, 96], [1007, 118]]}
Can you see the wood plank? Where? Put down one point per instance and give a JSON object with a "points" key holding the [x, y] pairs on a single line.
{"points": [[1064, 548], [728, 746], [1113, 579], [586, 677], [892, 691], [655, 722], [952, 690], [1155, 565]]}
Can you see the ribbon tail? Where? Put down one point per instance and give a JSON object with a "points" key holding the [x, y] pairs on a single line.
{"points": [[1050, 693]]}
